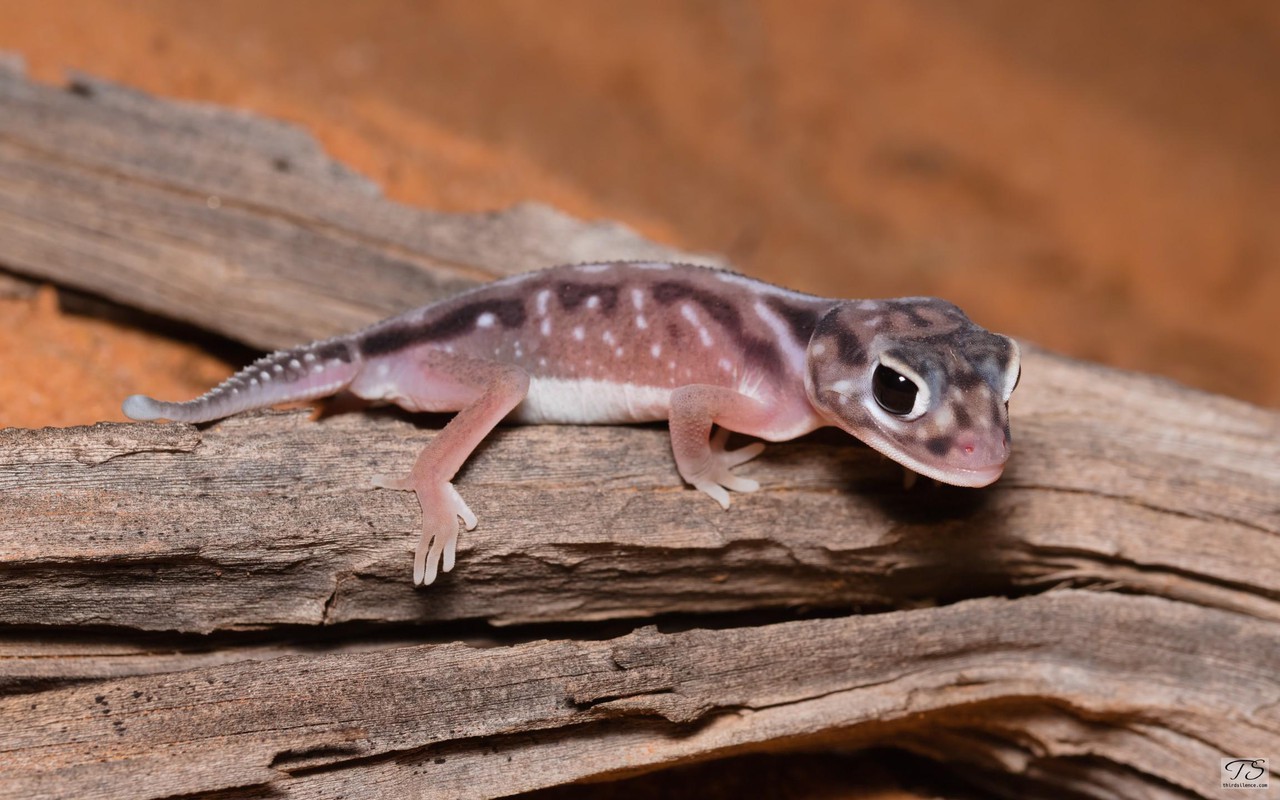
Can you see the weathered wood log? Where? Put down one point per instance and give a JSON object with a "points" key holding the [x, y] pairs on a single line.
{"points": [[273, 519], [1029, 685], [193, 579]]}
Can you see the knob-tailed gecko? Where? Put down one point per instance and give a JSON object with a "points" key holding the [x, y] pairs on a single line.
{"points": [[913, 377]]}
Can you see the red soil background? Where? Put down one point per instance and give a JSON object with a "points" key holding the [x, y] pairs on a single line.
{"points": [[1100, 178]]}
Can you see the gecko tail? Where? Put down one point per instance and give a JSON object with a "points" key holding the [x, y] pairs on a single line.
{"points": [[303, 373]]}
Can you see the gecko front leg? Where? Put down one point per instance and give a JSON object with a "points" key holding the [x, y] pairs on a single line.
{"points": [[487, 391], [701, 458]]}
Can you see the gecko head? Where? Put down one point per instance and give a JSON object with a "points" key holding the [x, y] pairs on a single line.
{"points": [[915, 379]]}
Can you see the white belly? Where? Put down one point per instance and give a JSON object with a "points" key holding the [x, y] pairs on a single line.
{"points": [[583, 402]]}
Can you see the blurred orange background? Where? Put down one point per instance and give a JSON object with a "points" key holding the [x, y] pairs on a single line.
{"points": [[1099, 178]]}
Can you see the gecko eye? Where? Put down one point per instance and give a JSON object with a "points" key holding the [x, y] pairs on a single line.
{"points": [[895, 392]]}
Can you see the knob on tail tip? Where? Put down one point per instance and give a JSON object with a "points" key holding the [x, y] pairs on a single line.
{"points": [[141, 407]]}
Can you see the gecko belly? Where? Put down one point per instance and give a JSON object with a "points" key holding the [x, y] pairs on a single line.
{"points": [[581, 401]]}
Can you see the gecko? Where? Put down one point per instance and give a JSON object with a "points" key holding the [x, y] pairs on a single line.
{"points": [[633, 342]]}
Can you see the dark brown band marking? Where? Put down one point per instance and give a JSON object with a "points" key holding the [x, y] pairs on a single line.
{"points": [[572, 294], [849, 348], [757, 352], [801, 321], [510, 313], [334, 351]]}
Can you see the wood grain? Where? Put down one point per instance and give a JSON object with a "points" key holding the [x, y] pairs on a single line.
{"points": [[1022, 685], [226, 610], [273, 519]]}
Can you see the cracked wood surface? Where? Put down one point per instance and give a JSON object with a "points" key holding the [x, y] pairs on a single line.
{"points": [[1017, 684], [272, 519], [170, 596]]}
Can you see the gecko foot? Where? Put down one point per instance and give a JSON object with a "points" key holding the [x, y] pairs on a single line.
{"points": [[441, 506], [715, 479]]}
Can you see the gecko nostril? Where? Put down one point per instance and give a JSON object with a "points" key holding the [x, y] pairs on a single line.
{"points": [[968, 449]]}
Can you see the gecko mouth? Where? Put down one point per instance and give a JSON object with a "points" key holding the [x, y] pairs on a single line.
{"points": [[954, 475]]}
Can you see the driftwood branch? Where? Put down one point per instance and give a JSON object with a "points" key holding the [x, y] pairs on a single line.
{"points": [[273, 519], [1106, 619], [1020, 685]]}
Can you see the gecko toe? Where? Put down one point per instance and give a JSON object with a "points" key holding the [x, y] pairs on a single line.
{"points": [[742, 455], [738, 484], [716, 492], [461, 508], [387, 482]]}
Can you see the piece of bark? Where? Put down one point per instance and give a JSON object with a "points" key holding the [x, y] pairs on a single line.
{"points": [[239, 224], [1024, 686]]}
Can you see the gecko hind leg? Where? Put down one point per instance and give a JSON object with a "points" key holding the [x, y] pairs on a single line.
{"points": [[487, 392]]}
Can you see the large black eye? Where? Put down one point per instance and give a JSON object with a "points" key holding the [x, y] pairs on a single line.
{"points": [[895, 392]]}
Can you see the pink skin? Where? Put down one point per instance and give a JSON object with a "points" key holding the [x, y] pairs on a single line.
{"points": [[616, 343]]}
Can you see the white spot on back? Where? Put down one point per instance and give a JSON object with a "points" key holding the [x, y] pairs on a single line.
{"points": [[485, 320], [618, 352], [688, 313], [593, 301], [655, 349], [544, 297], [637, 298], [545, 327], [607, 337], [579, 333]]}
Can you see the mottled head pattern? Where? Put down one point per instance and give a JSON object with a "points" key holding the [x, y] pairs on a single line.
{"points": [[917, 380]]}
